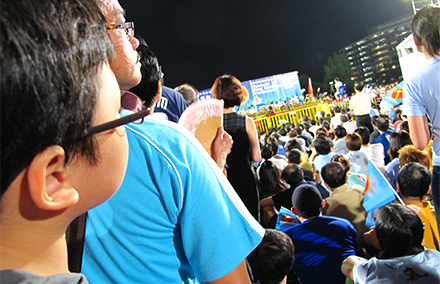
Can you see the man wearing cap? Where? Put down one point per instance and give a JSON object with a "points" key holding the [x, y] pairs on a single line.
{"points": [[321, 242]]}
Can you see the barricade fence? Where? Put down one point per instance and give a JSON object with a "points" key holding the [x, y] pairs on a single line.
{"points": [[294, 116]]}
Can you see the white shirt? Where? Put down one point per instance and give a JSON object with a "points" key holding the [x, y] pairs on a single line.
{"points": [[360, 104], [375, 154]]}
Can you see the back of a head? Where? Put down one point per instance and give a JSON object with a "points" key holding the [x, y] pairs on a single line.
{"points": [[399, 231], [410, 153], [344, 118], [382, 123], [398, 139], [151, 72], [425, 27], [294, 156], [39, 66], [337, 109], [364, 133], [266, 152], [359, 86], [322, 145], [293, 144], [273, 258], [274, 146], [307, 200], [229, 89], [353, 142], [292, 174], [292, 133], [345, 163], [340, 131], [270, 179], [189, 93], [334, 174], [414, 180]]}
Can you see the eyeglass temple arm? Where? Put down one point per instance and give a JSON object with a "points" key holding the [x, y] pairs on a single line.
{"points": [[118, 122]]}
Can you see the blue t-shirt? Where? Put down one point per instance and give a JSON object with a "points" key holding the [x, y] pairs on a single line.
{"points": [[175, 218], [171, 105], [391, 171], [421, 94], [384, 139], [321, 244]]}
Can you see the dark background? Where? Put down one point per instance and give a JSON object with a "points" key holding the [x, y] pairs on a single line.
{"points": [[197, 41]]}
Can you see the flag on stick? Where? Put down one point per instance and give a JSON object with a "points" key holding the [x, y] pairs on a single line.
{"points": [[378, 191]]}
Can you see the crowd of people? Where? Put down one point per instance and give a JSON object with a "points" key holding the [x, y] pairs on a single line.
{"points": [[89, 129]]}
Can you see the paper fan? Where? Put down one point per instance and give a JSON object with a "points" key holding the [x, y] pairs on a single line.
{"points": [[203, 119]]}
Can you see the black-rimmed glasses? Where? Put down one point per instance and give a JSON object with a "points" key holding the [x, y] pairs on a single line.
{"points": [[138, 117], [127, 26]]}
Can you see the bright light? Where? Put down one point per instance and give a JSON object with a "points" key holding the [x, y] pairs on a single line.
{"points": [[394, 66]]}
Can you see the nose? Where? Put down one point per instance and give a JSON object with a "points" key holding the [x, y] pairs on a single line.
{"points": [[134, 42]]}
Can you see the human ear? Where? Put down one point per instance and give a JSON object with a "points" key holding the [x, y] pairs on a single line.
{"points": [[324, 203], [47, 180], [294, 211]]}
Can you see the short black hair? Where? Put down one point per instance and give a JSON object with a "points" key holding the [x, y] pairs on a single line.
{"points": [[151, 75], [340, 131], [359, 86], [292, 174], [334, 174], [293, 144], [337, 109], [399, 231], [294, 156], [273, 258], [266, 152], [382, 123], [364, 133], [323, 145], [52, 52], [414, 180], [307, 200]]}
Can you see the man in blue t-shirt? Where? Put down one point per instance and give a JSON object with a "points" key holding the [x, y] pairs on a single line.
{"points": [[382, 125], [171, 105], [321, 243]]}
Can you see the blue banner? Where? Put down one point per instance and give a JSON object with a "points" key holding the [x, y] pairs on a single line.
{"points": [[267, 90]]}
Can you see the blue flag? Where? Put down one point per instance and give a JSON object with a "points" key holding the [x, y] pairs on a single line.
{"points": [[378, 191], [393, 98]]}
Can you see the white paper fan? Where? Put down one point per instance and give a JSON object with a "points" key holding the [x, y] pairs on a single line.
{"points": [[203, 119]]}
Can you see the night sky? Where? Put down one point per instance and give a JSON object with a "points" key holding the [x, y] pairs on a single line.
{"points": [[197, 41]]}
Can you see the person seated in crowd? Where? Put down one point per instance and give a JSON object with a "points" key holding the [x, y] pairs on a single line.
{"points": [[398, 139], [382, 135], [323, 147], [295, 157], [296, 144], [269, 153], [272, 259], [402, 258], [348, 124], [59, 155], [374, 152], [336, 120], [355, 181], [294, 176], [269, 179], [321, 243], [189, 93], [413, 183], [358, 160], [339, 144], [344, 202]]}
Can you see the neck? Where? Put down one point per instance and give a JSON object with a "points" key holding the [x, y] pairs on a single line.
{"points": [[411, 199], [33, 248], [228, 110]]}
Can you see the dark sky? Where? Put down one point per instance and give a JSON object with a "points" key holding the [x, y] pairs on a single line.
{"points": [[197, 41]]}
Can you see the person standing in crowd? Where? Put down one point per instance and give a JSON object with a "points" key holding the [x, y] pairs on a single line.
{"points": [[246, 147], [159, 227], [421, 92], [189, 93], [360, 105]]}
